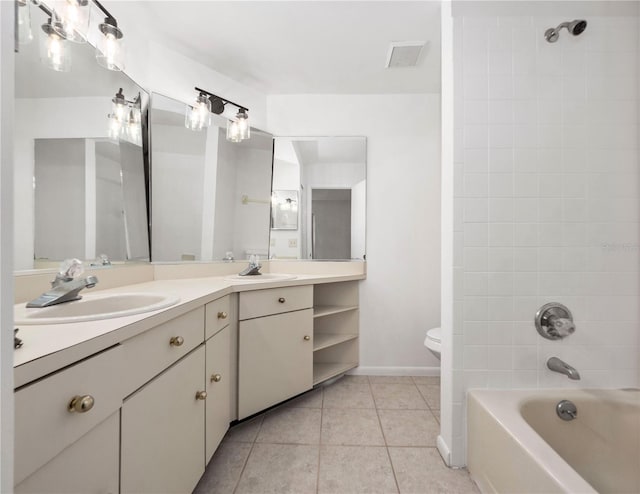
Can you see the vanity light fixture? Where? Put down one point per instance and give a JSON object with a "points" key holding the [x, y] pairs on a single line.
{"points": [[53, 46], [125, 120], [70, 20], [238, 127], [109, 51], [198, 116]]}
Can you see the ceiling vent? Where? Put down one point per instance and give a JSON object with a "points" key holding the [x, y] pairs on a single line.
{"points": [[404, 53]]}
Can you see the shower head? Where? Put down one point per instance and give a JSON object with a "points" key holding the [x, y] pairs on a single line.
{"points": [[575, 27]]}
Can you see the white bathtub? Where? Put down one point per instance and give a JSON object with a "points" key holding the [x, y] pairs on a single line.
{"points": [[517, 444]]}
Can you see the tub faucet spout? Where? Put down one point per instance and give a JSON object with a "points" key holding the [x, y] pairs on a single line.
{"points": [[557, 365]]}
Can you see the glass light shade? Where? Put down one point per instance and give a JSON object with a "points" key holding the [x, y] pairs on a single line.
{"points": [[119, 107], [54, 52], [244, 130], [109, 48], [115, 127], [134, 132], [25, 35], [233, 131], [198, 116], [73, 15]]}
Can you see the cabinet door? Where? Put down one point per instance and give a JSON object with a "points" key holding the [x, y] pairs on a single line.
{"points": [[275, 360], [163, 431], [88, 466], [218, 383]]}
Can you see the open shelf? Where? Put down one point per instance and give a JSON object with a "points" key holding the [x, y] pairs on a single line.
{"points": [[325, 340], [322, 372], [327, 310]]}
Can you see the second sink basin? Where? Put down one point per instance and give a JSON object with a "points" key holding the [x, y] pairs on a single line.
{"points": [[93, 307]]}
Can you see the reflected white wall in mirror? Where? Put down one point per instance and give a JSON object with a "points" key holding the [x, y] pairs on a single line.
{"points": [[329, 176], [76, 191], [209, 196]]}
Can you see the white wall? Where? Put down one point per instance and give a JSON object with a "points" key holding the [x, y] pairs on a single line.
{"points": [[400, 298], [6, 245], [546, 202]]}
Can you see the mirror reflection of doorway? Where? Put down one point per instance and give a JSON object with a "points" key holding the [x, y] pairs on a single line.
{"points": [[331, 223]]}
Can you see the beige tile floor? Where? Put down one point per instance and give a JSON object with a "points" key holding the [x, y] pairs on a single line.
{"points": [[361, 434]]}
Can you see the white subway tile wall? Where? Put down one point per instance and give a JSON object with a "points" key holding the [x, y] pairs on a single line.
{"points": [[547, 204]]}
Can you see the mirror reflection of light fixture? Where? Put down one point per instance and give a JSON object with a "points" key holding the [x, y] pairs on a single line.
{"points": [[53, 47], [237, 128], [25, 35], [109, 50], [73, 15], [70, 20], [198, 116], [125, 121]]}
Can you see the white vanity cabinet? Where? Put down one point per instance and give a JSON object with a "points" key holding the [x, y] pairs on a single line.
{"points": [[220, 375], [275, 347], [162, 441], [70, 415], [335, 329]]}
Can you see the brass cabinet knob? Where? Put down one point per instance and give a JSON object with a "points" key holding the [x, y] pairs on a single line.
{"points": [[176, 341], [307, 337], [222, 315], [281, 300], [216, 378], [81, 404], [201, 395]]}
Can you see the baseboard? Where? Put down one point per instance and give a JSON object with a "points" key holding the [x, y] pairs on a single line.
{"points": [[395, 371], [444, 451]]}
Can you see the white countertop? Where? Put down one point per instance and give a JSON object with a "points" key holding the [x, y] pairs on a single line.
{"points": [[47, 348]]}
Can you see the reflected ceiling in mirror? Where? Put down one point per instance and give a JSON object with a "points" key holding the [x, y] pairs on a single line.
{"points": [[210, 197], [318, 198], [79, 192]]}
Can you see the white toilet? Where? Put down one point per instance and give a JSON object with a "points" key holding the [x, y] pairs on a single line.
{"points": [[433, 341]]}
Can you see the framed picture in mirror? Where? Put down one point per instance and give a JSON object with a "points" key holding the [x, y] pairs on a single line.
{"points": [[284, 210]]}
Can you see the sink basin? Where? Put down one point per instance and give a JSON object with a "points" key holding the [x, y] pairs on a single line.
{"points": [[94, 307], [262, 277]]}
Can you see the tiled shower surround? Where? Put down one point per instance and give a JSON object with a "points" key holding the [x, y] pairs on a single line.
{"points": [[546, 203]]}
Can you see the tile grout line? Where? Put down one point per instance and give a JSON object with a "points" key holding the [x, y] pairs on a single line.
{"points": [[386, 446], [244, 466], [320, 440]]}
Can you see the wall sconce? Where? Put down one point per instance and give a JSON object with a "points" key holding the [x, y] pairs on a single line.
{"points": [[109, 49], [198, 116], [53, 46], [70, 21], [125, 120], [238, 128]]}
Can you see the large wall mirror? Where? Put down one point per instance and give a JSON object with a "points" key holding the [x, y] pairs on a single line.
{"points": [[210, 197], [79, 190], [319, 198]]}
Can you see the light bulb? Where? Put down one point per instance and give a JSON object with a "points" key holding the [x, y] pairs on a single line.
{"points": [[199, 115], [233, 131], [114, 127], [119, 106], [53, 48], [109, 51]]}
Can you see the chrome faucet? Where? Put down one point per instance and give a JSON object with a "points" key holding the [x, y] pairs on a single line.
{"points": [[557, 365], [254, 267], [65, 287], [63, 291]]}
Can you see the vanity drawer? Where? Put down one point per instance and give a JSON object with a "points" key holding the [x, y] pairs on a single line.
{"points": [[217, 316], [260, 303], [149, 353], [44, 424]]}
